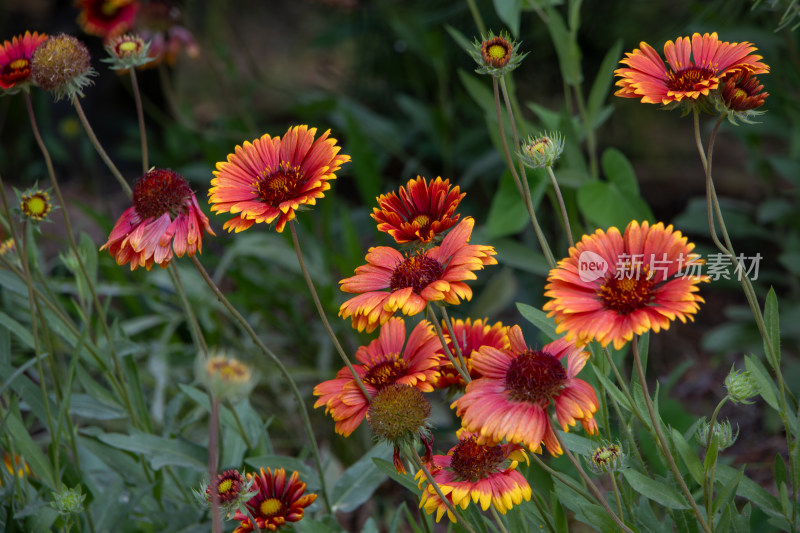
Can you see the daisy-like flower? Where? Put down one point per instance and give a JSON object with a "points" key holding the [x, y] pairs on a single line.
{"points": [[392, 281], [694, 67], [126, 52], [164, 216], [278, 500], [470, 337], [614, 286], [510, 401], [15, 59], [485, 474], [269, 179], [106, 18], [230, 486], [387, 360], [419, 211]]}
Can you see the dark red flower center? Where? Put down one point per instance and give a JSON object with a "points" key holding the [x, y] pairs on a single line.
{"points": [[416, 271], [690, 79], [535, 376], [627, 295], [472, 461], [161, 191], [385, 373], [275, 187]]}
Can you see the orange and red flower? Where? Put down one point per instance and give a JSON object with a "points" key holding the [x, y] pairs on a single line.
{"points": [[164, 216], [269, 179], [278, 501], [510, 401], [695, 66], [413, 279], [640, 281], [387, 360], [15, 58], [481, 473], [106, 18], [470, 337], [419, 211]]}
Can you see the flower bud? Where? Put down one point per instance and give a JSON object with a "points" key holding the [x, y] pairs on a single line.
{"points": [[606, 458], [542, 151], [740, 386], [127, 51], [722, 431], [35, 204], [226, 377], [496, 55], [68, 501]]}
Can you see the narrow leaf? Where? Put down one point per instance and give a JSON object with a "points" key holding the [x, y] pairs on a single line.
{"points": [[654, 490]]}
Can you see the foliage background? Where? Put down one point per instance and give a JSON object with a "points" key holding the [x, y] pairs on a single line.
{"points": [[400, 95]]}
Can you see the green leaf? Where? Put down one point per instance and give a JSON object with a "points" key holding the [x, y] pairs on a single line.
{"points": [[772, 321], [387, 467], [766, 387], [459, 38], [690, 459], [728, 491], [657, 491], [86, 406], [619, 170], [21, 332], [507, 213], [26, 448], [538, 318], [360, 480], [613, 391], [751, 490], [602, 83], [576, 443], [160, 451], [569, 55], [586, 512], [604, 205], [711, 453], [509, 11]]}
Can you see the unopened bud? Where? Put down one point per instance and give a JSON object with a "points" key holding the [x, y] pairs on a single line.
{"points": [[722, 431], [606, 458], [740, 386]]}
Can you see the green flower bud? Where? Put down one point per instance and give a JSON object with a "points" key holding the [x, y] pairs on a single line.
{"points": [[722, 431], [740, 386]]}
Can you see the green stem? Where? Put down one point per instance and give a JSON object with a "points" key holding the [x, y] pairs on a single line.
{"points": [[660, 436], [616, 493], [623, 386], [458, 366], [191, 318], [213, 436], [240, 425], [76, 103], [590, 484], [476, 16], [708, 482], [563, 478], [418, 462], [137, 97], [562, 206], [454, 340], [322, 314], [283, 370], [524, 191], [498, 520]]}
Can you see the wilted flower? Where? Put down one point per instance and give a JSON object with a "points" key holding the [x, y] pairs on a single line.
{"points": [[164, 215], [542, 151], [496, 55], [15, 61], [62, 66], [126, 52]]}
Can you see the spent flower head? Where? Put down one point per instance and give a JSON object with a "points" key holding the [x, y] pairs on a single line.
{"points": [[496, 55], [127, 51], [722, 432], [62, 66], [740, 386], [543, 150]]}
